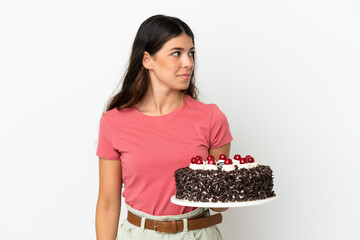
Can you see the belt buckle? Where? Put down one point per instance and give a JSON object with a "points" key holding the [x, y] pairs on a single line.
{"points": [[155, 227]]}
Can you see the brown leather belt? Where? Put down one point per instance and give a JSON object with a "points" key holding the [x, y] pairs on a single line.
{"points": [[200, 221]]}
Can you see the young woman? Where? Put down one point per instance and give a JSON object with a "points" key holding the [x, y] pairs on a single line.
{"points": [[152, 127]]}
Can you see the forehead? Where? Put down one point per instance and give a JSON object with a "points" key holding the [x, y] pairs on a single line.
{"points": [[181, 41]]}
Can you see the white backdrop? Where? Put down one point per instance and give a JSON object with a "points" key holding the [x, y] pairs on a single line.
{"points": [[285, 73]]}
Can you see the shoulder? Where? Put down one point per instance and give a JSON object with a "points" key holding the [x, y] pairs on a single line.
{"points": [[209, 110], [116, 115], [202, 107]]}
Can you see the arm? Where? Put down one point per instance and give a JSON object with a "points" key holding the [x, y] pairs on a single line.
{"points": [[225, 149], [109, 199]]}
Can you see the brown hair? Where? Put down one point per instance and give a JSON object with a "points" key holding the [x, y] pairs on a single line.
{"points": [[152, 34]]}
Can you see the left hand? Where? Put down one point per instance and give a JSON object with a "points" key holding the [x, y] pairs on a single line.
{"points": [[219, 209]]}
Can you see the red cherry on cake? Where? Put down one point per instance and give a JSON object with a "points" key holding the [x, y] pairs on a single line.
{"points": [[211, 162], [243, 160], [250, 160], [228, 161], [193, 160], [199, 161], [198, 157], [210, 157], [222, 157], [237, 157]]}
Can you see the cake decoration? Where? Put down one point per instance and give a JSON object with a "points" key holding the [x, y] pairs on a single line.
{"points": [[211, 165], [224, 180], [250, 162], [199, 164], [236, 160], [210, 157], [228, 165], [198, 157], [220, 162], [192, 162]]}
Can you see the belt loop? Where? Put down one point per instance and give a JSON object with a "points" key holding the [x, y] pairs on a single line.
{"points": [[142, 226], [185, 225]]}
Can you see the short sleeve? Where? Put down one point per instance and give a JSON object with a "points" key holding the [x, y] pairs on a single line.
{"points": [[105, 147], [219, 129]]}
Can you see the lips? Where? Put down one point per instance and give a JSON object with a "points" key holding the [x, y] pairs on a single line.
{"points": [[185, 76]]}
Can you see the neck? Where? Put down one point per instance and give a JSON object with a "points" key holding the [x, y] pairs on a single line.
{"points": [[157, 103]]}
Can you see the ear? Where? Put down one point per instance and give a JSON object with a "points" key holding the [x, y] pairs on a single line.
{"points": [[146, 60]]}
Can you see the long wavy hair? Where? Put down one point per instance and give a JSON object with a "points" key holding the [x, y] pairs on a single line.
{"points": [[152, 34]]}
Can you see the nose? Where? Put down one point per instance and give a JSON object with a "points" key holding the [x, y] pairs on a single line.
{"points": [[188, 62]]}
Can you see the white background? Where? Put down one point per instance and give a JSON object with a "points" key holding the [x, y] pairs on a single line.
{"points": [[285, 73]]}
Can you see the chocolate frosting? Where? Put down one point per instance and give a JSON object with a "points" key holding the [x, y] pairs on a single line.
{"points": [[221, 186]]}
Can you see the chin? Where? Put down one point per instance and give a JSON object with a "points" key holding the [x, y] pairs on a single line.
{"points": [[184, 86]]}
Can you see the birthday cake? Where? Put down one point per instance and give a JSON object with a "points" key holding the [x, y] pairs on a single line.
{"points": [[226, 180]]}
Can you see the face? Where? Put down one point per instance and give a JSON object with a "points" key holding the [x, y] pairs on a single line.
{"points": [[173, 65]]}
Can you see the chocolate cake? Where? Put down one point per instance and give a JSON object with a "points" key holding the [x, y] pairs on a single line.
{"points": [[230, 181]]}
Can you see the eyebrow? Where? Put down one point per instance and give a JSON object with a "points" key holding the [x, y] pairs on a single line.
{"points": [[181, 49]]}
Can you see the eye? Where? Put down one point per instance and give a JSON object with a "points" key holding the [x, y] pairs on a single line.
{"points": [[176, 54], [192, 54]]}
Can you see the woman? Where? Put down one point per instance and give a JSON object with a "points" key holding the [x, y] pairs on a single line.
{"points": [[152, 127]]}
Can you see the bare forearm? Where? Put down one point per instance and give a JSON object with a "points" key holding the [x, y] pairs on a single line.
{"points": [[107, 220]]}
